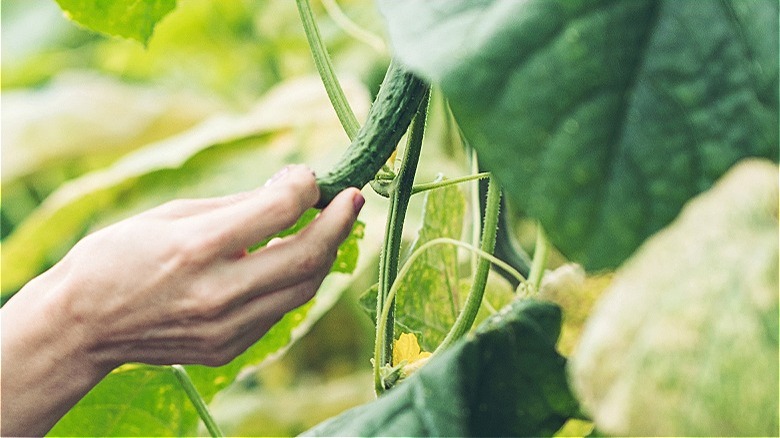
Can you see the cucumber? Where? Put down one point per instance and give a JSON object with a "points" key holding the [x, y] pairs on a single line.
{"points": [[388, 119]]}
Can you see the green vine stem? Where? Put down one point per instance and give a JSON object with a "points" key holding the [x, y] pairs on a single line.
{"points": [[469, 312], [541, 249], [382, 318], [325, 68], [353, 29], [197, 400], [400, 193], [422, 187], [476, 216]]}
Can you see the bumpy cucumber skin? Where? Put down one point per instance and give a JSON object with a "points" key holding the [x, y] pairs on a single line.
{"points": [[389, 117]]}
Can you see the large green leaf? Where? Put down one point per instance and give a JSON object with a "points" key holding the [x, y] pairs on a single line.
{"points": [[125, 18], [600, 118], [685, 341], [505, 380]]}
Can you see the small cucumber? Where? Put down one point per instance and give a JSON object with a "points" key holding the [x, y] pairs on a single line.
{"points": [[389, 117]]}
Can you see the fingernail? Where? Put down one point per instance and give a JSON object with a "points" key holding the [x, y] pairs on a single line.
{"points": [[358, 202], [277, 176]]}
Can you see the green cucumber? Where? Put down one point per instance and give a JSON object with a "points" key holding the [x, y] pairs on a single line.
{"points": [[388, 119]]}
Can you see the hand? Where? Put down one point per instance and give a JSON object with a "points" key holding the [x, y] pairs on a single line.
{"points": [[175, 284]]}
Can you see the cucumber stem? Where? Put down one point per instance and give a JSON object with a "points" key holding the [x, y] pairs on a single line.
{"points": [[424, 187], [540, 259], [197, 400], [400, 193], [469, 312], [325, 68]]}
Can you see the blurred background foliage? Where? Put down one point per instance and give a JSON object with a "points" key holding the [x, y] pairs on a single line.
{"points": [[95, 129]]}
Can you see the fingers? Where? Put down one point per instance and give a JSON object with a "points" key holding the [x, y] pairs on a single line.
{"points": [[262, 212], [181, 208], [295, 258]]}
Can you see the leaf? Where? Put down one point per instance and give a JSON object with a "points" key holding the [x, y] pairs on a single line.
{"points": [[100, 115], [506, 380], [78, 123], [124, 18], [428, 299], [600, 118], [685, 341]]}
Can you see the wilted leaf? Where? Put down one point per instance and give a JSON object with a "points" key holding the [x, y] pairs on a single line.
{"points": [[685, 341], [82, 114], [125, 18], [506, 380], [600, 118]]}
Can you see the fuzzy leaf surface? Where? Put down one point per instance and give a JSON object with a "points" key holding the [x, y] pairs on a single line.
{"points": [[600, 118]]}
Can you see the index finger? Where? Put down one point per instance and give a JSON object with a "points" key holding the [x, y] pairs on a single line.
{"points": [[264, 212]]}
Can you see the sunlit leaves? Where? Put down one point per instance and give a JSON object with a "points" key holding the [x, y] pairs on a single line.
{"points": [[125, 18], [685, 341]]}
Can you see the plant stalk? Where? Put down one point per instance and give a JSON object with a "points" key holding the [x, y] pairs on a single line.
{"points": [[423, 187], [325, 68], [400, 193], [469, 312], [541, 249], [197, 400]]}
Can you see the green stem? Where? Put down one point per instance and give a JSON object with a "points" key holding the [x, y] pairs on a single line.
{"points": [[382, 318], [469, 312], [353, 29], [197, 400], [325, 68], [400, 193], [448, 182], [541, 249], [476, 216]]}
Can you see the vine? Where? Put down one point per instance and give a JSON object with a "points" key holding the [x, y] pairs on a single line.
{"points": [[400, 193], [197, 400]]}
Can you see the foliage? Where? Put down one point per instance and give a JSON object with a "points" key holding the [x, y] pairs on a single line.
{"points": [[600, 118], [124, 18], [689, 329], [433, 292], [506, 380]]}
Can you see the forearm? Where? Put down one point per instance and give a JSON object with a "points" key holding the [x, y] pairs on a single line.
{"points": [[45, 368]]}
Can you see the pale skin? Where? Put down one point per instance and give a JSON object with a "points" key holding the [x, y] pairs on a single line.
{"points": [[174, 284]]}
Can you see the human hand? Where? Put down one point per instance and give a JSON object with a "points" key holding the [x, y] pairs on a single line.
{"points": [[176, 285]]}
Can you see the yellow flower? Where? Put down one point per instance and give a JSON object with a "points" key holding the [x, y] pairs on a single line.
{"points": [[407, 349]]}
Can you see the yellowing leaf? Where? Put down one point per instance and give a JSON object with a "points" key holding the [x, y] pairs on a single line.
{"points": [[407, 349]]}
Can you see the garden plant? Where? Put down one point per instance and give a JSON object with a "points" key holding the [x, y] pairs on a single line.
{"points": [[637, 138]]}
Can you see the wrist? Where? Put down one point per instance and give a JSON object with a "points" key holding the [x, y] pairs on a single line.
{"points": [[47, 366]]}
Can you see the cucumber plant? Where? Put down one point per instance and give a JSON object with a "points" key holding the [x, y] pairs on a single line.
{"points": [[600, 120]]}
